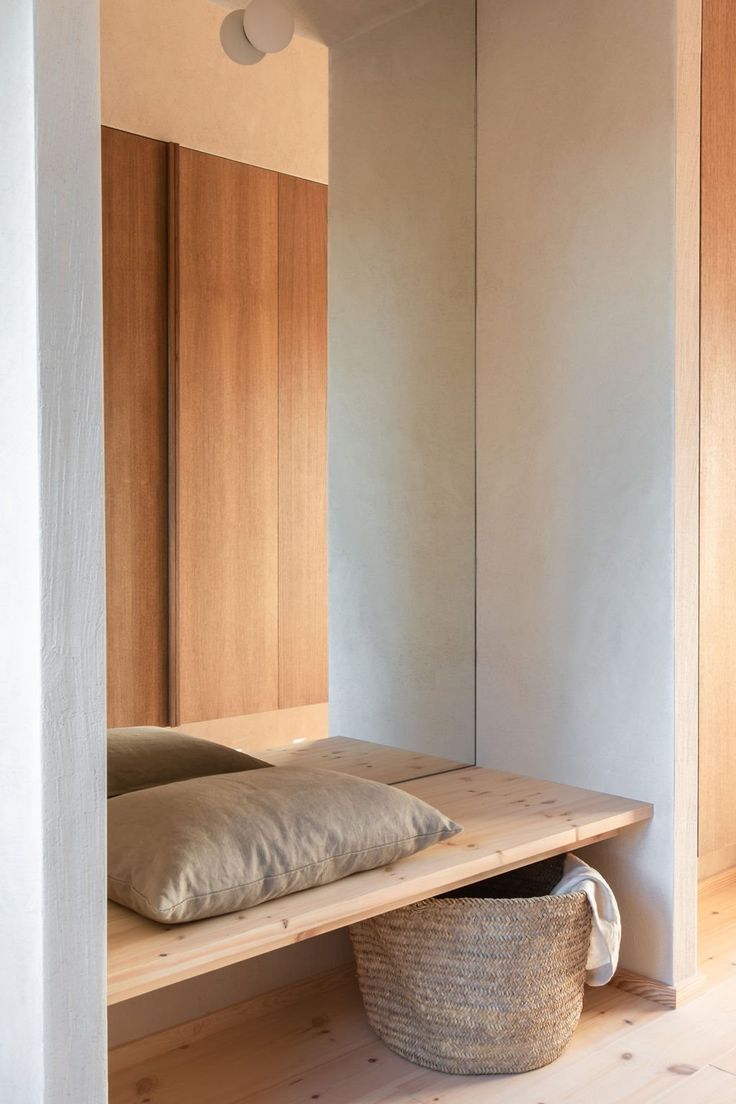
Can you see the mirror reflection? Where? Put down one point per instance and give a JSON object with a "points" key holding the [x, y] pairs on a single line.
{"points": [[233, 602]]}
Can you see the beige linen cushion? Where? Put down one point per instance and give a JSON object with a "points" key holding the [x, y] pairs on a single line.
{"points": [[215, 845], [138, 758]]}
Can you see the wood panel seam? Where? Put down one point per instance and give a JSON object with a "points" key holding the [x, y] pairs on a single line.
{"points": [[173, 444]]}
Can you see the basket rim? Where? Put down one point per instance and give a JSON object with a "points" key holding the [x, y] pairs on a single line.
{"points": [[579, 893]]}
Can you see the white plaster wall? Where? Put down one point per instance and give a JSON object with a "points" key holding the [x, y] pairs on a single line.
{"points": [[165, 75], [21, 848], [576, 256], [52, 709], [401, 402]]}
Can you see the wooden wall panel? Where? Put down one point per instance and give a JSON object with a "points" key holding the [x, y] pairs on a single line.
{"points": [[225, 410], [135, 366], [302, 442], [718, 431]]}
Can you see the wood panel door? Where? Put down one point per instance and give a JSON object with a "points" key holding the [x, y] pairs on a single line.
{"points": [[302, 442], [718, 433], [224, 609], [134, 259]]}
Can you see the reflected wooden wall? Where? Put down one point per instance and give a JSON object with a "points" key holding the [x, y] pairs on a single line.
{"points": [[134, 213], [718, 437], [236, 303], [225, 609], [302, 442]]}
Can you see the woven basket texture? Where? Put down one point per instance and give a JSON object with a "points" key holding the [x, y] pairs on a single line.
{"points": [[486, 979]]}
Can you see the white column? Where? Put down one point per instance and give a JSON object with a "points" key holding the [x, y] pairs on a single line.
{"points": [[52, 692]]}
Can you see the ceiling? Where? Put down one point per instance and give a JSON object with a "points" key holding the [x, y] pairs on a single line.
{"points": [[334, 21]]}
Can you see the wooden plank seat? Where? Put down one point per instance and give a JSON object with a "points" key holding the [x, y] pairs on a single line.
{"points": [[509, 821]]}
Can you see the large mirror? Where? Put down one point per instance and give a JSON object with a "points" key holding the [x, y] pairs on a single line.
{"points": [[290, 485]]}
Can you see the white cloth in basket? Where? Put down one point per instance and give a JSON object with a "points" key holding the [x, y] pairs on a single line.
{"points": [[605, 935]]}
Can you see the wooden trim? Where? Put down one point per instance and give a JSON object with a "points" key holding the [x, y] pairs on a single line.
{"points": [[724, 873], [668, 996], [718, 433], [173, 339], [135, 287], [687, 444], [302, 460]]}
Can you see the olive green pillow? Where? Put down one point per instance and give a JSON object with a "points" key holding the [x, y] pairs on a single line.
{"points": [[138, 758], [215, 845]]}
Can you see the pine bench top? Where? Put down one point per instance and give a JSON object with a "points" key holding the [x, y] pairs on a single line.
{"points": [[509, 821]]}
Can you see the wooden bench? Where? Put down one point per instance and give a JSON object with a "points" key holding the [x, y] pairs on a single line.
{"points": [[509, 821]]}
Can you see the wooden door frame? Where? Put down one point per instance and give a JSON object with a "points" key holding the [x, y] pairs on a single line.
{"points": [[686, 488]]}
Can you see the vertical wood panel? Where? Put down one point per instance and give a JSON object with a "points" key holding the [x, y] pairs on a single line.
{"points": [[136, 470], [718, 430], [226, 447], [302, 442], [686, 488]]}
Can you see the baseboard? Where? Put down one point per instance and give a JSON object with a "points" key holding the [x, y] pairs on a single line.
{"points": [[668, 996], [716, 862], [713, 882]]}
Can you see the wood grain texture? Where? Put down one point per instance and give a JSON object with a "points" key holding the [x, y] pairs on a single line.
{"points": [[669, 996], [625, 1049], [302, 442], [234, 1015], [172, 596], [717, 929], [298, 738], [718, 430], [509, 821], [360, 757], [687, 469], [714, 863], [134, 183], [226, 462], [344, 1064], [275, 728]]}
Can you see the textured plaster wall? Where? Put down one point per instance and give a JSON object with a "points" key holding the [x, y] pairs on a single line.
{"points": [[52, 670], [401, 386], [576, 383]]}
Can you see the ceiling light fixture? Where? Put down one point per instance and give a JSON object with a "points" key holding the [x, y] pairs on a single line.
{"points": [[264, 27]]}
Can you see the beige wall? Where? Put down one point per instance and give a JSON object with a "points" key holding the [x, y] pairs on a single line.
{"points": [[401, 402], [165, 75], [576, 396]]}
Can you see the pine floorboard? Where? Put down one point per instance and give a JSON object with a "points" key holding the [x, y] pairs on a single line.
{"points": [[313, 1043]]}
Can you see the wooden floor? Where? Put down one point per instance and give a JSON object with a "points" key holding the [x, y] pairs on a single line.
{"points": [[312, 1042]]}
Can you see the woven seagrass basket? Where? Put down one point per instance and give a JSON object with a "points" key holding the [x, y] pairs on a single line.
{"points": [[487, 979]]}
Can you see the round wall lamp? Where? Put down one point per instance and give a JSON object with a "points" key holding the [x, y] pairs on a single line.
{"points": [[264, 27]]}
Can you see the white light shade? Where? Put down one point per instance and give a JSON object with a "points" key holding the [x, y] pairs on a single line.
{"points": [[268, 25], [235, 44]]}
